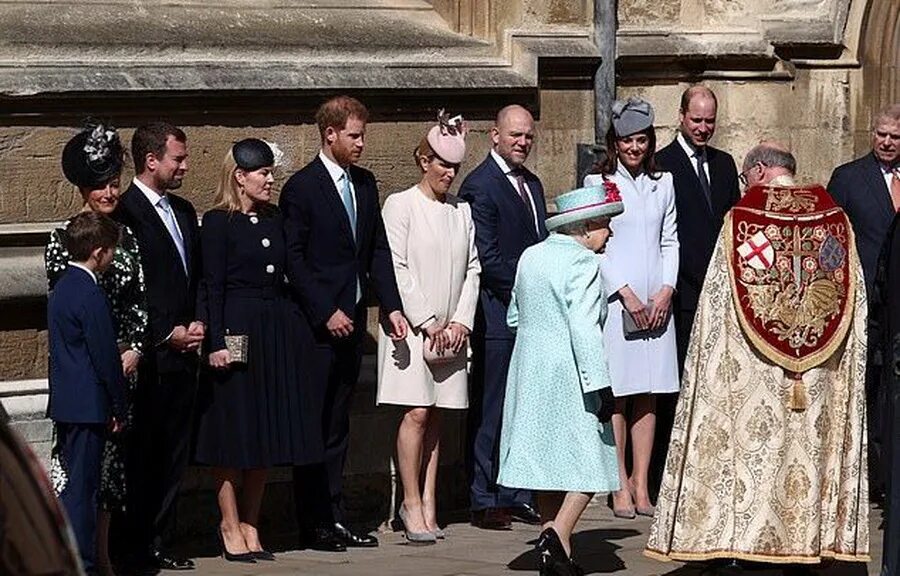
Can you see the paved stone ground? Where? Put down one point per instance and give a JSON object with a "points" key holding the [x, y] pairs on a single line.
{"points": [[604, 545]]}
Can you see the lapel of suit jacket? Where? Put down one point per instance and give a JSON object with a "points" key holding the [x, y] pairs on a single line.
{"points": [[332, 199], [689, 170], [510, 195], [363, 198], [875, 181], [184, 224], [147, 213], [718, 187]]}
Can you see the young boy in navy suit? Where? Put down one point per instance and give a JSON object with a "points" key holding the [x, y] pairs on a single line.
{"points": [[87, 389]]}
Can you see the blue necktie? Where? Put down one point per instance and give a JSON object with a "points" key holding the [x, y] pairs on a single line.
{"points": [[347, 199], [172, 227]]}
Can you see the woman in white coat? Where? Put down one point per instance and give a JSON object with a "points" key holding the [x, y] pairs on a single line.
{"points": [[639, 267], [432, 240]]}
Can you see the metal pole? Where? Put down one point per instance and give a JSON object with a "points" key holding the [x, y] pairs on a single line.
{"points": [[604, 85]]}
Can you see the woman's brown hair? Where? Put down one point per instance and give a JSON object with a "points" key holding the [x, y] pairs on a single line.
{"points": [[609, 162]]}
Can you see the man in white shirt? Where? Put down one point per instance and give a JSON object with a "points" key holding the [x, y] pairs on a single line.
{"points": [[868, 189]]}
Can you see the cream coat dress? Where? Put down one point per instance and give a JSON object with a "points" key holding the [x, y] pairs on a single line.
{"points": [[643, 254], [436, 264]]}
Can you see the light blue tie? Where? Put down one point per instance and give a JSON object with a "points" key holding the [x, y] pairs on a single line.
{"points": [[347, 199], [172, 227]]}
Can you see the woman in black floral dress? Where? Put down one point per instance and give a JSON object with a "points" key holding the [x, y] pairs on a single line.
{"points": [[92, 161]]}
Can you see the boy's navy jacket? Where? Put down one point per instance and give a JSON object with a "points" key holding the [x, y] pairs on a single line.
{"points": [[87, 384]]}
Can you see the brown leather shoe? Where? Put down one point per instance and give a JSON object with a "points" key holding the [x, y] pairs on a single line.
{"points": [[491, 519]]}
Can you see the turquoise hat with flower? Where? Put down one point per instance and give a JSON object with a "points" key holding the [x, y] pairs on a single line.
{"points": [[586, 204]]}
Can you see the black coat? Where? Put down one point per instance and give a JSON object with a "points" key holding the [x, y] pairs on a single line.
{"points": [[884, 333], [859, 188], [171, 293], [502, 233], [698, 224], [323, 259]]}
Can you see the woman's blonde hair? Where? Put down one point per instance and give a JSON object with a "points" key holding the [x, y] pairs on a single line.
{"points": [[228, 194]]}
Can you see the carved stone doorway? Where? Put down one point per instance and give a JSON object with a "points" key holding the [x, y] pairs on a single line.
{"points": [[879, 55]]}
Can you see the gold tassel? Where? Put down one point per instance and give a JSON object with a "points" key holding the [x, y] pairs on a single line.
{"points": [[799, 401]]}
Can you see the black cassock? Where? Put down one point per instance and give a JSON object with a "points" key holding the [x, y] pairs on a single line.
{"points": [[887, 323]]}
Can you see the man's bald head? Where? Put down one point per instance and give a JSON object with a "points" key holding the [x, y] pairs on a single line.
{"points": [[768, 160], [513, 134]]}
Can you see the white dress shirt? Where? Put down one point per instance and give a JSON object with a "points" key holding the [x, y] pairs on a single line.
{"points": [[504, 167], [337, 176], [690, 150]]}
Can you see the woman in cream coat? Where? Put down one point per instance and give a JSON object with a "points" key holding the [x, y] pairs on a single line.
{"points": [[432, 240], [640, 267]]}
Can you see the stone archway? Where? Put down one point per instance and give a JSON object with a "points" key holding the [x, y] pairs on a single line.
{"points": [[879, 55]]}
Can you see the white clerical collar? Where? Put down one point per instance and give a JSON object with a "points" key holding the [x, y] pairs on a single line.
{"points": [[85, 268], [334, 169], [152, 195], [782, 180]]}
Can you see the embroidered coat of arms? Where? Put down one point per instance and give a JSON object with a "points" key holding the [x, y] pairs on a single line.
{"points": [[791, 275]]}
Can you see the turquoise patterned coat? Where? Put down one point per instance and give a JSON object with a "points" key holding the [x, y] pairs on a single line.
{"points": [[551, 438]]}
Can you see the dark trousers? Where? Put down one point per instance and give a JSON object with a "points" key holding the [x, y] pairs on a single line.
{"points": [[490, 366], [158, 454], [666, 403], [318, 488], [81, 451], [890, 563]]}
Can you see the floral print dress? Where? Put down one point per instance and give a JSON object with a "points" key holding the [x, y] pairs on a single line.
{"points": [[123, 283]]}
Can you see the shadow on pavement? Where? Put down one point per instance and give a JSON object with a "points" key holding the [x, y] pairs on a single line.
{"points": [[592, 549]]}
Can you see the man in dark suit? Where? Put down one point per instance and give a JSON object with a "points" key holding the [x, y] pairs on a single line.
{"points": [[87, 385], [509, 210], [868, 189], [706, 187], [166, 229], [337, 248]]}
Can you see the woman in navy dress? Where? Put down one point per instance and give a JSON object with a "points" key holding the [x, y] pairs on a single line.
{"points": [[255, 413]]}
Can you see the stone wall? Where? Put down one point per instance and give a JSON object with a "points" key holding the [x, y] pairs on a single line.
{"points": [[806, 72]]}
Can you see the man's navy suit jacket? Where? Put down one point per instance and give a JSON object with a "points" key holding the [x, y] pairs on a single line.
{"points": [[859, 188], [502, 232], [324, 260], [698, 222], [87, 384]]}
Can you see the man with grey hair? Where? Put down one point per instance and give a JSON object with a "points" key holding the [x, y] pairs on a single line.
{"points": [[768, 163], [868, 189]]}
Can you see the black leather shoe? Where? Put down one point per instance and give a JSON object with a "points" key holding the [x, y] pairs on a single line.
{"points": [[553, 558], [322, 539], [491, 519], [352, 540], [525, 513], [163, 561]]}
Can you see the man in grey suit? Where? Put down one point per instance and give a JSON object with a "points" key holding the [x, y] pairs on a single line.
{"points": [[868, 189]]}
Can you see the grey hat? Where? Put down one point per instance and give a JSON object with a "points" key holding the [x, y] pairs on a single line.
{"points": [[631, 116]]}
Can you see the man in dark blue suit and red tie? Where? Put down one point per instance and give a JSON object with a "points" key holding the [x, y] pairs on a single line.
{"points": [[868, 189], [508, 208], [337, 248]]}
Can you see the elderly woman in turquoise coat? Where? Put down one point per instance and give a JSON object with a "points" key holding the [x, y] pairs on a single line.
{"points": [[556, 439]]}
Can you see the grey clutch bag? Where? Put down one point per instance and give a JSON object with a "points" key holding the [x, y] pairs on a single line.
{"points": [[632, 332], [238, 346]]}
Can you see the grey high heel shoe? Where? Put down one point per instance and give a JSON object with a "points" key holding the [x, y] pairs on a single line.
{"points": [[418, 538]]}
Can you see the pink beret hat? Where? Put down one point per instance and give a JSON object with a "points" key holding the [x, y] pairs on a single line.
{"points": [[448, 138]]}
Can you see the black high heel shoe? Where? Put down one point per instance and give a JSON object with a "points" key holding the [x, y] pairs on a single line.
{"points": [[553, 557], [245, 557]]}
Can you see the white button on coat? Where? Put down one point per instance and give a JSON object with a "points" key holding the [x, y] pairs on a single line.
{"points": [[270, 268], [265, 242], [254, 220]]}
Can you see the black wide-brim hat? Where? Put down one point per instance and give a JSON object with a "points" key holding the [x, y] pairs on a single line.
{"points": [[93, 157]]}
